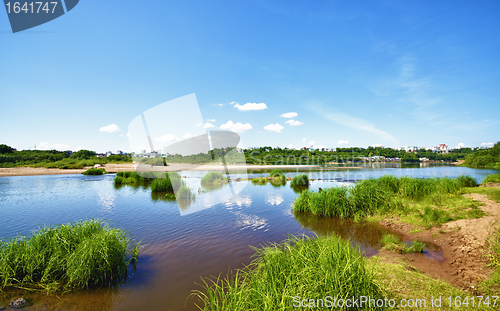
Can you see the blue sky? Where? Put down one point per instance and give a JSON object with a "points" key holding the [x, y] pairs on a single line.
{"points": [[356, 73]]}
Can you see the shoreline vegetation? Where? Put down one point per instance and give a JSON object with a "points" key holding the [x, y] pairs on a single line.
{"points": [[85, 254], [307, 268], [261, 157]]}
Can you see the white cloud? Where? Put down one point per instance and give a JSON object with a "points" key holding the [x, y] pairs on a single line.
{"points": [[289, 115], [292, 122], [220, 105], [250, 106], [274, 128], [460, 145], [188, 135], [208, 125], [47, 146], [128, 134], [166, 138], [342, 142], [236, 127], [311, 142], [232, 103], [377, 145], [211, 120], [487, 144], [304, 140], [199, 124], [109, 128], [290, 146]]}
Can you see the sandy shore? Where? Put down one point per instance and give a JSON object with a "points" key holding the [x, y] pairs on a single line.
{"points": [[113, 168]]}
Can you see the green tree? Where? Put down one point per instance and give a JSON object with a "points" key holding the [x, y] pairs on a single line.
{"points": [[6, 149]]}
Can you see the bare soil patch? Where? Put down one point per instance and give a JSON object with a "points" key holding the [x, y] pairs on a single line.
{"points": [[464, 246]]}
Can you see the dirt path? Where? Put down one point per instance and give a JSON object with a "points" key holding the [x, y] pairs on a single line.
{"points": [[464, 246]]}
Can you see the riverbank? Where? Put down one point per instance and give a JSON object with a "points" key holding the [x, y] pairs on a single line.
{"points": [[174, 167], [464, 244]]}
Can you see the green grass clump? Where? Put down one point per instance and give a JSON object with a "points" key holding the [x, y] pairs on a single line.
{"points": [[424, 202], [491, 178], [275, 173], [71, 256], [212, 177], [333, 202], [300, 181], [298, 267], [184, 193], [95, 171], [162, 185], [259, 181], [393, 243], [278, 179]]}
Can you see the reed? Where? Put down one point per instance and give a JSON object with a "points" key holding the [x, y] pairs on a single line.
{"points": [[309, 268], [71, 256]]}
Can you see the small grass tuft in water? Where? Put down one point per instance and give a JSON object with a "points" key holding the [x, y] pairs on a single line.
{"points": [[423, 202], [71, 256], [491, 178], [297, 269], [95, 171], [393, 243], [212, 177], [259, 181], [301, 180]]}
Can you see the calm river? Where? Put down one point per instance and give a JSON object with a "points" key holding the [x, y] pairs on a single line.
{"points": [[207, 238]]}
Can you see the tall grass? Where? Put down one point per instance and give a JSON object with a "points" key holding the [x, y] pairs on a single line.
{"points": [[74, 255], [309, 268], [383, 195]]}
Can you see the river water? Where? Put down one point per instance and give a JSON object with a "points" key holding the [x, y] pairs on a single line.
{"points": [[184, 244]]}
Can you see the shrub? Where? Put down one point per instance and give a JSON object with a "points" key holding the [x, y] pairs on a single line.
{"points": [[74, 255], [300, 180], [95, 171]]}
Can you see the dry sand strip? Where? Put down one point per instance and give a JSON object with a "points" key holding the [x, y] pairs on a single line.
{"points": [[172, 167]]}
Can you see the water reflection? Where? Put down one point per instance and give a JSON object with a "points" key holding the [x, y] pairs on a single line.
{"points": [[365, 234]]}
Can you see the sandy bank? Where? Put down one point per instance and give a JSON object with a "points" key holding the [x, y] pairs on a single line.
{"points": [[113, 168]]}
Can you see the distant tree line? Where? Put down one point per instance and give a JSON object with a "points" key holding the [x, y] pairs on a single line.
{"points": [[487, 158], [9, 157]]}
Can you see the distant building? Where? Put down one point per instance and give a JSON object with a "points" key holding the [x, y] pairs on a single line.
{"points": [[119, 152], [109, 153], [443, 147], [68, 151]]}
